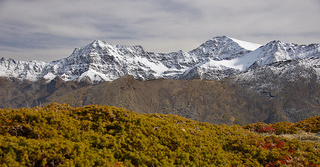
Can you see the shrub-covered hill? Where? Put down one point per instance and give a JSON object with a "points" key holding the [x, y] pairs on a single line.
{"points": [[59, 135]]}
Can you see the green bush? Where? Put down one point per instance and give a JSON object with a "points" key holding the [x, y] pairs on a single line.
{"points": [[59, 135]]}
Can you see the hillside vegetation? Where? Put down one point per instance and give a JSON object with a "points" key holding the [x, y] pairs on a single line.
{"points": [[59, 135]]}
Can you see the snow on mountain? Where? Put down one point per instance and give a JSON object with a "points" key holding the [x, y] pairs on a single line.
{"points": [[277, 51], [246, 45], [100, 61], [276, 75], [29, 70], [218, 58], [215, 59], [220, 48]]}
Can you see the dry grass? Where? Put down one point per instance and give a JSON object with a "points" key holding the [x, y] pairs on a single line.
{"points": [[304, 136]]}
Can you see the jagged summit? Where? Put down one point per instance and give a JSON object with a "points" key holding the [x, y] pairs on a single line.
{"points": [[219, 48], [215, 59]]}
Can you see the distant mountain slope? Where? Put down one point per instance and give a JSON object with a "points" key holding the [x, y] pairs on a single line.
{"points": [[206, 101], [219, 102]]}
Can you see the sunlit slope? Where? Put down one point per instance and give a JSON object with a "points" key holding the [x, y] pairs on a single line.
{"points": [[59, 135]]}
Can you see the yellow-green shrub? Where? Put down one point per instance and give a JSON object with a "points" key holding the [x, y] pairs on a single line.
{"points": [[59, 135]]}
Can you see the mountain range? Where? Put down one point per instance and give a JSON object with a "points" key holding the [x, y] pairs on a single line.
{"points": [[224, 80], [217, 58]]}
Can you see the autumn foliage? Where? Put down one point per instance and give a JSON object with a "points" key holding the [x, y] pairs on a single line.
{"points": [[59, 135]]}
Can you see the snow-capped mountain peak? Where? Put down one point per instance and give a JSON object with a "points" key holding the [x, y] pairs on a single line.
{"points": [[215, 59], [277, 51], [222, 47]]}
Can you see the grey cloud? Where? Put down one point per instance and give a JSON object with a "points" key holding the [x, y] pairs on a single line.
{"points": [[160, 26]]}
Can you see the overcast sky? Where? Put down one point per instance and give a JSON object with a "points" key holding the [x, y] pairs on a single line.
{"points": [[50, 29]]}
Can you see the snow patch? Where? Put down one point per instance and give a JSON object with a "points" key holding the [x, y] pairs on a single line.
{"points": [[247, 45], [49, 76]]}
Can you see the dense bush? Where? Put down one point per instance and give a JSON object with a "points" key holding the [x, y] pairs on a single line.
{"points": [[59, 135], [308, 125], [277, 128]]}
